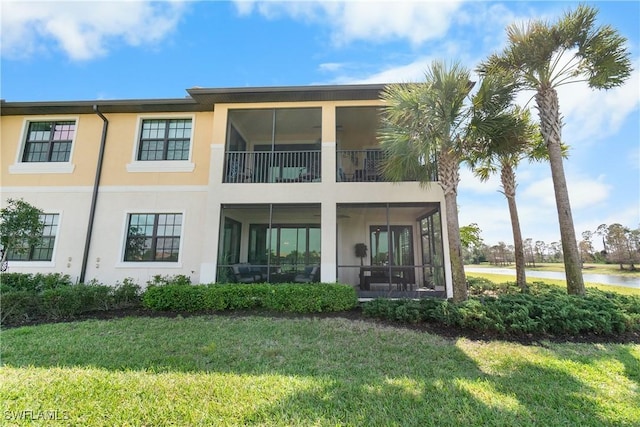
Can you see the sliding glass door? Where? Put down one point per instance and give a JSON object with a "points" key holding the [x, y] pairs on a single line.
{"points": [[285, 247], [392, 245]]}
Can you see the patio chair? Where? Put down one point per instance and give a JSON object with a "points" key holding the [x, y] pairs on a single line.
{"points": [[310, 274], [238, 173], [371, 172], [312, 173], [246, 273]]}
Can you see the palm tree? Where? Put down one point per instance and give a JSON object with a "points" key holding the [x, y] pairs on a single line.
{"points": [[423, 126], [543, 57], [425, 133], [517, 139]]}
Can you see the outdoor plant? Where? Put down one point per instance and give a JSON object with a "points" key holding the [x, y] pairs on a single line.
{"points": [[544, 309], [27, 297], [361, 251], [20, 229], [286, 297], [544, 56]]}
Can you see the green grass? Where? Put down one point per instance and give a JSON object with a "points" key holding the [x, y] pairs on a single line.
{"points": [[501, 278], [231, 371], [588, 268]]}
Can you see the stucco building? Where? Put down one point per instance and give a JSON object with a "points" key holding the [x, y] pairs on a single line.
{"points": [[241, 184]]}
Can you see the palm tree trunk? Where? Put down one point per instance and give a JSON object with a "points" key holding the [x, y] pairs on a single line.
{"points": [[550, 126], [508, 178], [448, 177]]}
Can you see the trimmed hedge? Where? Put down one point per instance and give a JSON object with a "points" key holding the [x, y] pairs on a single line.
{"points": [[295, 298], [27, 297], [545, 310]]}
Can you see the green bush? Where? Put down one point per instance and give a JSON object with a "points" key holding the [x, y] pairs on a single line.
{"points": [[295, 298], [33, 282], [178, 279], [543, 310], [27, 297], [20, 306], [126, 294]]}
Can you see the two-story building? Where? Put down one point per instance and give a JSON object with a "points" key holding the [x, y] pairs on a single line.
{"points": [[269, 184]]}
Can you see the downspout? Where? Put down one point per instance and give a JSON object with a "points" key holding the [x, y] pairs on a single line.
{"points": [[94, 197]]}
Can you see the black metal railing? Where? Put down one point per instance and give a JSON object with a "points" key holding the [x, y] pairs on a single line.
{"points": [[272, 166], [359, 165], [364, 166]]}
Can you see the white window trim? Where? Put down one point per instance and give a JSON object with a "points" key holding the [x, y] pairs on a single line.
{"points": [[149, 264], [20, 167], [161, 165], [41, 167], [41, 264]]}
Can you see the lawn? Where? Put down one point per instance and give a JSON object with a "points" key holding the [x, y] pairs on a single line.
{"points": [[233, 370], [613, 269], [501, 278]]}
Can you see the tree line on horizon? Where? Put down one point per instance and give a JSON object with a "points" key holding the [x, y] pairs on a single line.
{"points": [[620, 245]]}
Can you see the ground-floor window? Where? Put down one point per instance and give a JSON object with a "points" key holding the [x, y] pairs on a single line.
{"points": [[153, 237], [43, 251]]}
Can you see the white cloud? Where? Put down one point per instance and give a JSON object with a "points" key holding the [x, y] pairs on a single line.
{"points": [[469, 182], [83, 30], [583, 191], [379, 21], [331, 66], [590, 114]]}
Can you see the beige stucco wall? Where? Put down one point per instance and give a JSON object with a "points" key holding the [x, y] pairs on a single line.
{"points": [[198, 194], [84, 152]]}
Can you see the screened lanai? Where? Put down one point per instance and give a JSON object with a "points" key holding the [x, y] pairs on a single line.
{"points": [[391, 248], [269, 243]]}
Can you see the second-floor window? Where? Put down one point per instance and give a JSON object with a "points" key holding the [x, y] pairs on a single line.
{"points": [[49, 141], [165, 139]]}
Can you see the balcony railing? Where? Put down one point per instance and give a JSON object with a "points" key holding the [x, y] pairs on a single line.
{"points": [[359, 165], [272, 166], [363, 166], [302, 166]]}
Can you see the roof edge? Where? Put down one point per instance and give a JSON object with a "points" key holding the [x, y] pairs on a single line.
{"points": [[199, 99]]}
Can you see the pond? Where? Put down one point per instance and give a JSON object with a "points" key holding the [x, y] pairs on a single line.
{"points": [[605, 279]]}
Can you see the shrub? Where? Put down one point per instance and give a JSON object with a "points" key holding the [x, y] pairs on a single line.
{"points": [[543, 310], [19, 306], [126, 294], [178, 279], [27, 297], [281, 297], [33, 282]]}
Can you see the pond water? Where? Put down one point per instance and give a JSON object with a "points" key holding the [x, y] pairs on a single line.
{"points": [[605, 279]]}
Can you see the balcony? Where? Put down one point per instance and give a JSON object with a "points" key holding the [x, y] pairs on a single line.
{"points": [[359, 165], [276, 166]]}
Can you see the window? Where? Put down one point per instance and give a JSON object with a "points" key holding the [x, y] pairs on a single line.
{"points": [[164, 139], [291, 247], [49, 141], [153, 237], [43, 251]]}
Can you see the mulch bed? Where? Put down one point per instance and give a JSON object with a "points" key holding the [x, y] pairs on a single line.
{"points": [[451, 333]]}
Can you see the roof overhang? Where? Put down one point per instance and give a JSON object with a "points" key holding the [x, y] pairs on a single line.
{"points": [[211, 96], [200, 99], [105, 106]]}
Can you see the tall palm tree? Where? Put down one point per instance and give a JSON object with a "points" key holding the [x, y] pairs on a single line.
{"points": [[517, 139], [425, 133], [422, 126], [545, 56]]}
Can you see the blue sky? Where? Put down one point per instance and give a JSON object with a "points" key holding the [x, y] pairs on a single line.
{"points": [[55, 50]]}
